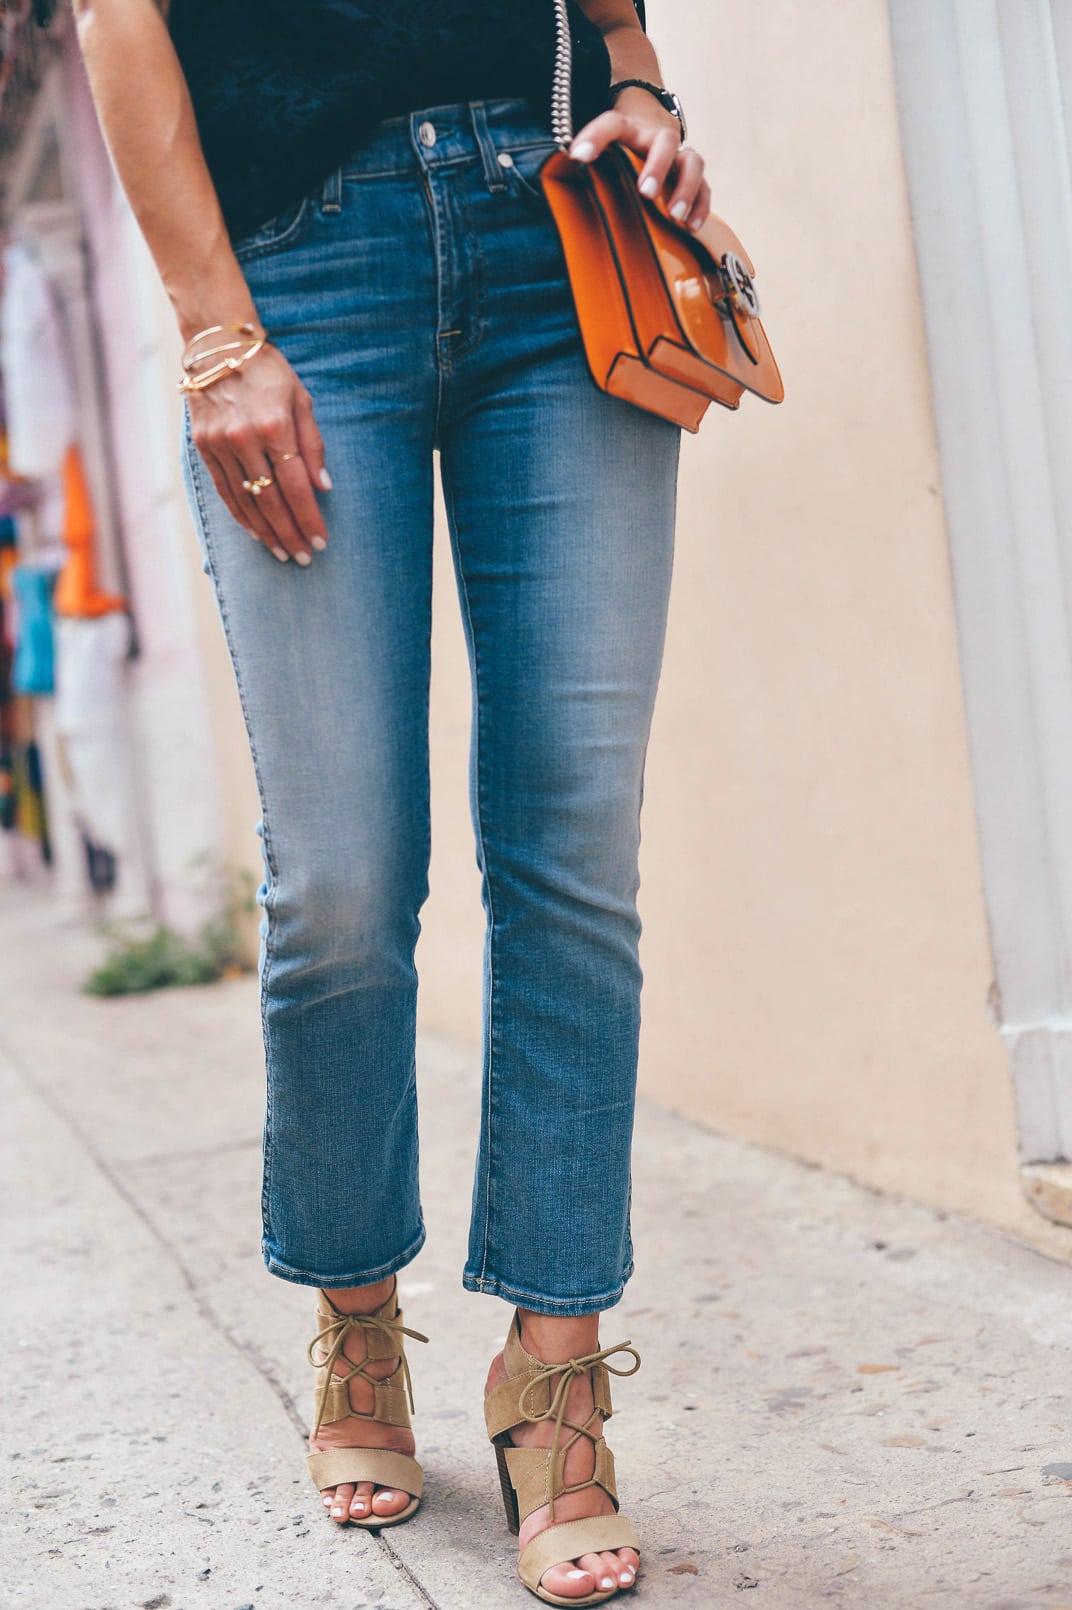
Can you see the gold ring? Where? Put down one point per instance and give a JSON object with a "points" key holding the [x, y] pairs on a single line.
{"points": [[285, 457], [255, 488]]}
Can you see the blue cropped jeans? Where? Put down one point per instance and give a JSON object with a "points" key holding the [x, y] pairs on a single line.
{"points": [[421, 296]]}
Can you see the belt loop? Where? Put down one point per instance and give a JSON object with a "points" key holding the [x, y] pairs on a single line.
{"points": [[331, 192], [493, 172]]}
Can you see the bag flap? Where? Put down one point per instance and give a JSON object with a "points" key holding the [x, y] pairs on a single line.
{"points": [[706, 272]]}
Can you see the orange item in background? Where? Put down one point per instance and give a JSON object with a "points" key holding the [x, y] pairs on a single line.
{"points": [[76, 591]]}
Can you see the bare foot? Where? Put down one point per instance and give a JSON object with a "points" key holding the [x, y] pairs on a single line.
{"points": [[553, 1341], [359, 1501]]}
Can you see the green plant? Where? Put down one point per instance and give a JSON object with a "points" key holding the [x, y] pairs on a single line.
{"points": [[164, 959]]}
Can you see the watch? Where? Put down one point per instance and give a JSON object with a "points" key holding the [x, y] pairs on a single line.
{"points": [[665, 98]]}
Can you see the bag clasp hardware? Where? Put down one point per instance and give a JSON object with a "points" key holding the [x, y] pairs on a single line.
{"points": [[735, 285]]}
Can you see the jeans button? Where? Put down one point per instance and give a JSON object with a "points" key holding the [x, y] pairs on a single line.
{"points": [[426, 133]]}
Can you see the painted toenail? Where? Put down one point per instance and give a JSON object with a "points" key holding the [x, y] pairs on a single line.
{"points": [[628, 1574], [576, 1575], [327, 1503], [336, 1512], [607, 1582]]}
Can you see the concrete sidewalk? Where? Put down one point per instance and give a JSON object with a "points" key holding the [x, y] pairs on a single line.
{"points": [[846, 1399]]}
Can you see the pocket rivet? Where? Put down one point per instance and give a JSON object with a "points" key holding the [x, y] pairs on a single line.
{"points": [[505, 159], [427, 134]]}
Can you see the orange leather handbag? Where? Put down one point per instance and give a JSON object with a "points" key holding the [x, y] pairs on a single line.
{"points": [[669, 318]]}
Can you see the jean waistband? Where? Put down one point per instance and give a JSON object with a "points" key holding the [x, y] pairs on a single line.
{"points": [[437, 136]]}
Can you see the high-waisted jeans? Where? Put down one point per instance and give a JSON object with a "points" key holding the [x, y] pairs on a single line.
{"points": [[421, 296]]}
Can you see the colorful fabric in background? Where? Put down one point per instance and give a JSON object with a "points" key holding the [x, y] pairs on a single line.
{"points": [[77, 592], [38, 387], [89, 723], [34, 669]]}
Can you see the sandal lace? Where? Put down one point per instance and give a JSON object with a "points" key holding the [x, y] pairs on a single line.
{"points": [[563, 1375], [334, 1335]]}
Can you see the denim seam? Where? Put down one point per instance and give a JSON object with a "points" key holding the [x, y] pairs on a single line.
{"points": [[477, 282], [478, 793], [447, 162], [566, 1306], [441, 365], [366, 1277], [193, 460]]}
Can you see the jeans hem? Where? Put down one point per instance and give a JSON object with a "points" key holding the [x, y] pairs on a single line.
{"points": [[562, 1307], [368, 1277]]}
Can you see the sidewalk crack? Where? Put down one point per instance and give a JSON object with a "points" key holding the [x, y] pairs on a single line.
{"points": [[244, 1348]]}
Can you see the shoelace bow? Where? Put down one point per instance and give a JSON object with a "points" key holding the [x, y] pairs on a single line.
{"points": [[572, 1369], [338, 1330]]}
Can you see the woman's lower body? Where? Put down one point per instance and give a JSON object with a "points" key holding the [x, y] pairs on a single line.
{"points": [[421, 297]]}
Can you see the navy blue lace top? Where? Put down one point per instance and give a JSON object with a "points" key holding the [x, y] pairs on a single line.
{"points": [[283, 93]]}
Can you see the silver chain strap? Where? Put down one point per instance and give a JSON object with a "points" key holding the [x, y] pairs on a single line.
{"points": [[561, 84]]}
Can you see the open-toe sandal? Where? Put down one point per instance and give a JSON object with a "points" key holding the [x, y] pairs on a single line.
{"points": [[533, 1477], [384, 1338]]}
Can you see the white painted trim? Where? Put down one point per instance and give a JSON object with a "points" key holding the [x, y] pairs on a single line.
{"points": [[987, 160]]}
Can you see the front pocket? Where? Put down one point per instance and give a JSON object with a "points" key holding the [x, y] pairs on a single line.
{"points": [[282, 230]]}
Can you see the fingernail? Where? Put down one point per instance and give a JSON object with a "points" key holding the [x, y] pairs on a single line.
{"points": [[325, 481], [679, 209], [319, 543], [650, 186], [281, 554], [696, 225], [583, 151], [304, 558]]}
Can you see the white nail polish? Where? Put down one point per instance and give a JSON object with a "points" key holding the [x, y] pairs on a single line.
{"points": [[627, 1571], [696, 225], [385, 1493], [337, 1512], [607, 1582], [325, 481], [583, 152], [650, 186], [576, 1575], [303, 558], [281, 554], [679, 209], [319, 543], [327, 1503]]}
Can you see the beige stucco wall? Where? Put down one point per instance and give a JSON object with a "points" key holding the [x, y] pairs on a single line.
{"points": [[816, 951]]}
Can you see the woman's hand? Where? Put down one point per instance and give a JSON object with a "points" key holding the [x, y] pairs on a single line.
{"points": [[638, 122], [259, 422]]}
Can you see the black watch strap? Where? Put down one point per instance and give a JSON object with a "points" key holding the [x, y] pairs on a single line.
{"points": [[665, 97]]}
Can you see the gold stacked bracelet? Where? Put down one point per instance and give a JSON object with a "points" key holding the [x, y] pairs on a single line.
{"points": [[229, 355]]}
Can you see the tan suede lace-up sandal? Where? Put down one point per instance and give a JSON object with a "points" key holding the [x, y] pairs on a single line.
{"points": [[384, 1338], [533, 1477]]}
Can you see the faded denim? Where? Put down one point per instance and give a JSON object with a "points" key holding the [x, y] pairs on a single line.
{"points": [[421, 296]]}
